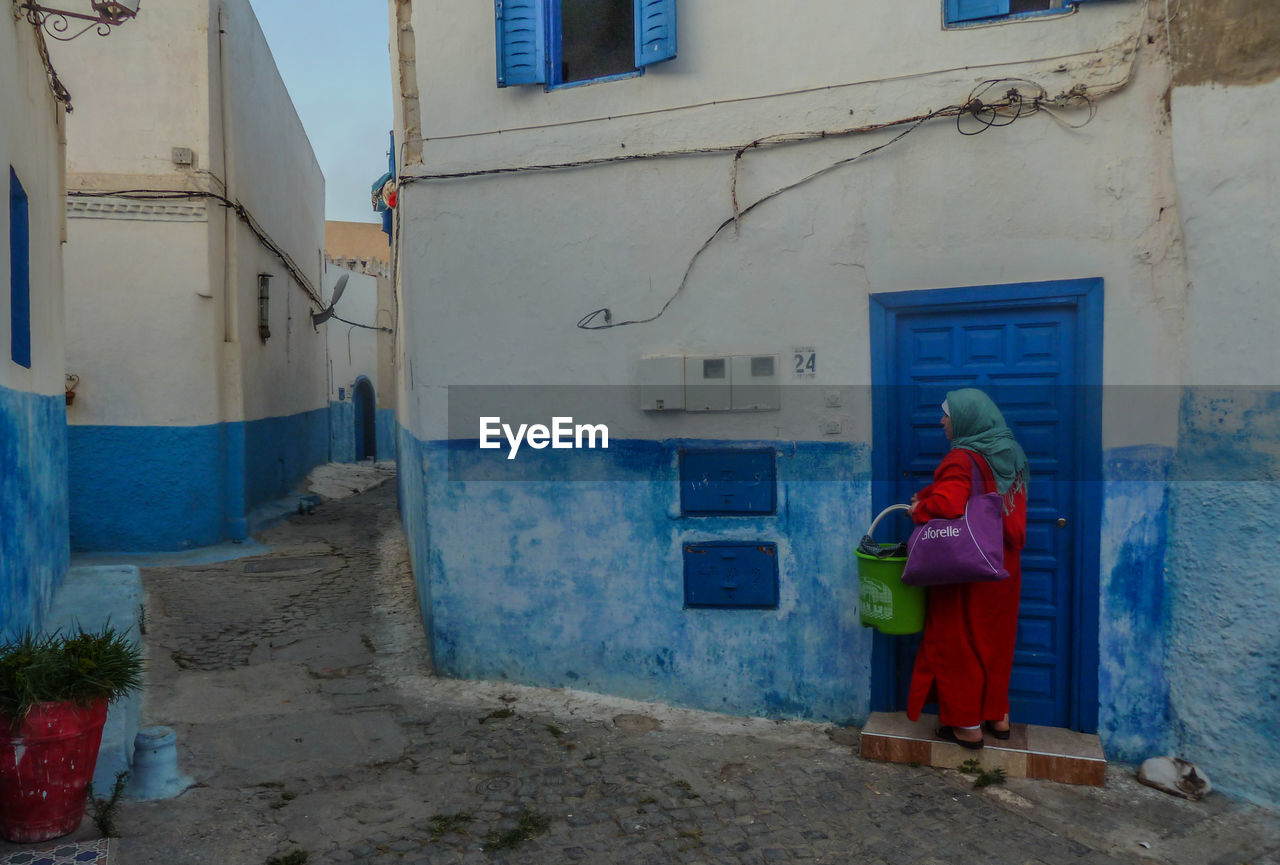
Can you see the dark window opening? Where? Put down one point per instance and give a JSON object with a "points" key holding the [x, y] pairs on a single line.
{"points": [[1017, 6], [597, 39], [19, 273]]}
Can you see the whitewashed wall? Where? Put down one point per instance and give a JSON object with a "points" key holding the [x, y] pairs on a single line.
{"points": [[935, 210], [29, 144], [34, 552], [353, 351], [186, 418], [156, 67], [151, 355], [274, 173], [1228, 173], [165, 91]]}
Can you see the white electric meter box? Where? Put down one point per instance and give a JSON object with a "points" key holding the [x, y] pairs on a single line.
{"points": [[661, 383], [756, 384], [707, 384]]}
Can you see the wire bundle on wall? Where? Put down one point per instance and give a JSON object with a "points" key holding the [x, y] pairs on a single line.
{"points": [[245, 216], [973, 117]]}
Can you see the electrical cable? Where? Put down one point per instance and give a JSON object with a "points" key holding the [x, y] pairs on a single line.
{"points": [[239, 209], [988, 115], [909, 76], [337, 317], [60, 91]]}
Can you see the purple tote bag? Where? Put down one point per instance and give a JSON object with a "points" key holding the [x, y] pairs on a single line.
{"points": [[969, 549]]}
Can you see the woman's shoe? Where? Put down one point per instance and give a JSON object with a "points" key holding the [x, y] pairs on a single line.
{"points": [[949, 734], [999, 734]]}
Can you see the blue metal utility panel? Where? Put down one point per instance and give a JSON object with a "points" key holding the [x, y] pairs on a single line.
{"points": [[727, 482], [731, 574]]}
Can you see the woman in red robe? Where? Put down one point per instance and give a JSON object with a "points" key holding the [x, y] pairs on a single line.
{"points": [[966, 654]]}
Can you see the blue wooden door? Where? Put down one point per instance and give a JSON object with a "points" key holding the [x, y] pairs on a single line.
{"points": [[1024, 357]]}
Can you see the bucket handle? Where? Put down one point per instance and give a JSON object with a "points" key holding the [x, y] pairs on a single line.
{"points": [[871, 531]]}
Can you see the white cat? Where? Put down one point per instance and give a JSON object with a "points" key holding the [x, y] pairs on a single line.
{"points": [[1175, 775]]}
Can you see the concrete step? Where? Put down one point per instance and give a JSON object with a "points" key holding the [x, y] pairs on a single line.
{"points": [[1050, 753], [91, 597]]}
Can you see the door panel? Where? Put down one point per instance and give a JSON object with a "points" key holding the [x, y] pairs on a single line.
{"points": [[1022, 356]]}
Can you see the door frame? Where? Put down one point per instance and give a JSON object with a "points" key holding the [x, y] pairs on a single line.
{"points": [[1086, 295]]}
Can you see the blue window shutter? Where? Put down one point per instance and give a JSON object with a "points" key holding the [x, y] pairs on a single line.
{"points": [[972, 10], [655, 31], [522, 41], [19, 273]]}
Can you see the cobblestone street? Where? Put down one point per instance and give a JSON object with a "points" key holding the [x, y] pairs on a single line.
{"points": [[299, 685]]}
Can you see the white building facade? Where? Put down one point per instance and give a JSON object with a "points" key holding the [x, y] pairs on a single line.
{"points": [[33, 426], [761, 260], [194, 263]]}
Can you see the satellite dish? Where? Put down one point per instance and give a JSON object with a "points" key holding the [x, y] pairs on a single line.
{"points": [[319, 318]]}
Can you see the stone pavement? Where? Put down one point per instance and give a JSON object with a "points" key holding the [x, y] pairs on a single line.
{"points": [[300, 686]]}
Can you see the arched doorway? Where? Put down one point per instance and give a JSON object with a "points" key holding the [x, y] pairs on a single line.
{"points": [[366, 420]]}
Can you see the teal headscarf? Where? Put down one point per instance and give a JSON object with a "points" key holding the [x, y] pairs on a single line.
{"points": [[978, 425]]}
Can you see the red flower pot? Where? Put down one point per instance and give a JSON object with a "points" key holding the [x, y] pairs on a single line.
{"points": [[46, 764]]}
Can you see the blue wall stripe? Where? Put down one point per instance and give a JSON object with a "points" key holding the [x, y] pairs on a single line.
{"points": [[579, 582], [146, 488], [172, 488], [1222, 650], [280, 451], [386, 424], [342, 431], [1133, 718], [33, 504]]}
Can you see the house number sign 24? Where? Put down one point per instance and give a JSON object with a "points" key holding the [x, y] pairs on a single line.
{"points": [[806, 361]]}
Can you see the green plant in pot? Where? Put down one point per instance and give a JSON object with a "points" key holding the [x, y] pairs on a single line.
{"points": [[54, 692]]}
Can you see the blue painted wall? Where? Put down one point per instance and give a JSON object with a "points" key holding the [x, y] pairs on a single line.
{"points": [[281, 451], [1223, 657], [579, 582], [147, 488], [1133, 688], [385, 420], [342, 431], [173, 488], [34, 554]]}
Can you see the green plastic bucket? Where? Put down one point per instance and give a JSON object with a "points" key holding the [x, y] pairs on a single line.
{"points": [[884, 603]]}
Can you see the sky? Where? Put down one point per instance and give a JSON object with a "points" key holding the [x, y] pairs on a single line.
{"points": [[333, 57]]}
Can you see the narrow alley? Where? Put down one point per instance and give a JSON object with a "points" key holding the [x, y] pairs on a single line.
{"points": [[300, 688]]}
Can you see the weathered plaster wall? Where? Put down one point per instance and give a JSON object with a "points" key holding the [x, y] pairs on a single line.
{"points": [[1132, 676], [1223, 648], [33, 427], [1225, 42], [595, 601], [489, 295], [1224, 659]]}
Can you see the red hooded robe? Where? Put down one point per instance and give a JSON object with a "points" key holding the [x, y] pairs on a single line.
{"points": [[966, 654]]}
